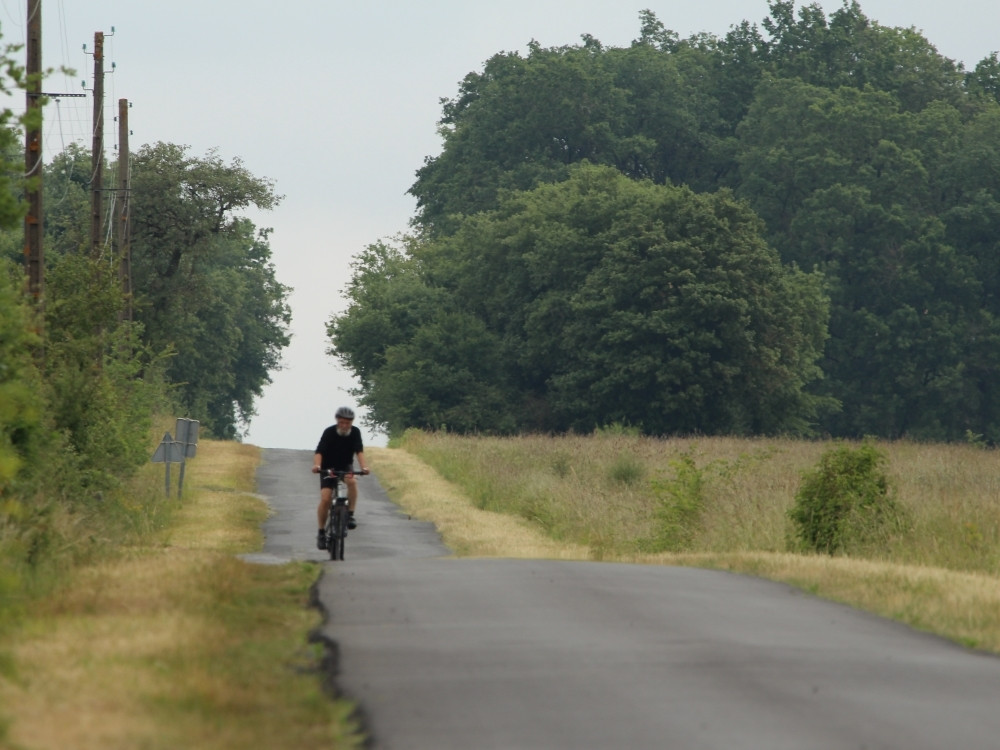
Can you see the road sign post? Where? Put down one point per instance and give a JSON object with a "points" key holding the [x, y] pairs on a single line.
{"points": [[172, 451], [187, 439], [167, 452]]}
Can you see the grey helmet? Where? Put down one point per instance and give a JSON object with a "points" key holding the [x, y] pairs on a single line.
{"points": [[345, 412]]}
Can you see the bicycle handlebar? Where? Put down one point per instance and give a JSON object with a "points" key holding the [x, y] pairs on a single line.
{"points": [[340, 472]]}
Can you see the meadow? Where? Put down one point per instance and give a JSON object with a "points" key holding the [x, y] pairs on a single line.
{"points": [[723, 503]]}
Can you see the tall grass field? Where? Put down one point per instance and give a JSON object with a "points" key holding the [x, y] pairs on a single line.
{"points": [[725, 502]]}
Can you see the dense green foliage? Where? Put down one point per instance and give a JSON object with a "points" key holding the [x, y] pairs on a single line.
{"points": [[871, 159], [204, 281], [845, 503], [20, 402], [594, 300], [204, 285], [81, 381]]}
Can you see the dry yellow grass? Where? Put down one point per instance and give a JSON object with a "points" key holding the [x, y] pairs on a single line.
{"points": [[468, 531], [180, 643], [964, 607], [82, 663], [225, 479]]}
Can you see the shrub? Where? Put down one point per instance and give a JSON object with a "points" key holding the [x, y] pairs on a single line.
{"points": [[681, 500], [846, 502], [627, 471]]}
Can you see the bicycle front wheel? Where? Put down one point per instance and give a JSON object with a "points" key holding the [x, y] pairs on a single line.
{"points": [[336, 543]]}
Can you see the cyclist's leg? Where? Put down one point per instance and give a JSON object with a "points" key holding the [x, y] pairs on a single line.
{"points": [[352, 500], [325, 498], [352, 491]]}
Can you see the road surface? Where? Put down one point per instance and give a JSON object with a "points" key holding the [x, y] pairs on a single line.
{"points": [[517, 655]]}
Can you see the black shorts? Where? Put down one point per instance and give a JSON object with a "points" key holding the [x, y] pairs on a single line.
{"points": [[327, 482]]}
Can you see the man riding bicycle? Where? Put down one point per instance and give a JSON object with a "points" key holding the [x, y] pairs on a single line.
{"points": [[337, 448]]}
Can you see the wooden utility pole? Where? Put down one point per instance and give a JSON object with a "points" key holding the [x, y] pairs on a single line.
{"points": [[122, 227], [34, 259], [97, 152]]}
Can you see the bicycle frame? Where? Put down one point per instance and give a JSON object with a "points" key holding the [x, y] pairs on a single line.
{"points": [[336, 520]]}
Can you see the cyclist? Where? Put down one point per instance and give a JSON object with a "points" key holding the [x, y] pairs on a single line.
{"points": [[337, 448]]}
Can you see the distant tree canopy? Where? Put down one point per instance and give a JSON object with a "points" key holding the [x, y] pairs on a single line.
{"points": [[205, 288], [871, 160]]}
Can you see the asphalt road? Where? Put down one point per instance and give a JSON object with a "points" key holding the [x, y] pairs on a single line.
{"points": [[475, 654]]}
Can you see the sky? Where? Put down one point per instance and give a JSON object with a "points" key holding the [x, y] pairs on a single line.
{"points": [[338, 104]]}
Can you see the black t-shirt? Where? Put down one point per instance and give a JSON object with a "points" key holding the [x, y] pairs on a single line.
{"points": [[338, 450]]}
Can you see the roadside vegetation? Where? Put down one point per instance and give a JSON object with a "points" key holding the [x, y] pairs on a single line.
{"points": [[167, 638], [91, 349], [930, 558]]}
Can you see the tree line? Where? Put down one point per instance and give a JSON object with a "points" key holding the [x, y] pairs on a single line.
{"points": [[86, 374], [82, 378], [791, 228]]}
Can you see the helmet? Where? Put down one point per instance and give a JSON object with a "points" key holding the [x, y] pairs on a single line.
{"points": [[345, 412]]}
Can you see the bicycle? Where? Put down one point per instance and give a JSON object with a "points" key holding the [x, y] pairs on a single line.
{"points": [[336, 519]]}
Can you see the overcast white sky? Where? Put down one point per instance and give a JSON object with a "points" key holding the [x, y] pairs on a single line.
{"points": [[338, 103]]}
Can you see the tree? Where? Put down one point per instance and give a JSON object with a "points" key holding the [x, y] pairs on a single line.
{"points": [[388, 301], [67, 202], [20, 402], [519, 122], [448, 376], [205, 285], [854, 187], [848, 49], [101, 384], [984, 80], [523, 120], [599, 299]]}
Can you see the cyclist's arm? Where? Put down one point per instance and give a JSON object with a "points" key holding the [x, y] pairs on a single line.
{"points": [[361, 460], [317, 462]]}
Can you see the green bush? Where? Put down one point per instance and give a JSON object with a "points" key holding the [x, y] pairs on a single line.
{"points": [[846, 503], [627, 471], [21, 407], [680, 503]]}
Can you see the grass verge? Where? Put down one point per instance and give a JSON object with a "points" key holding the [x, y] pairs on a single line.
{"points": [[176, 642], [561, 498]]}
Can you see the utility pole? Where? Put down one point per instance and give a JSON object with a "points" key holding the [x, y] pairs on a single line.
{"points": [[97, 151], [122, 226], [34, 259]]}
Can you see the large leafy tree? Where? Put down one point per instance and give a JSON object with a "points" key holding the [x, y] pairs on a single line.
{"points": [[851, 184], [664, 108], [595, 300], [204, 281], [849, 49], [420, 360]]}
